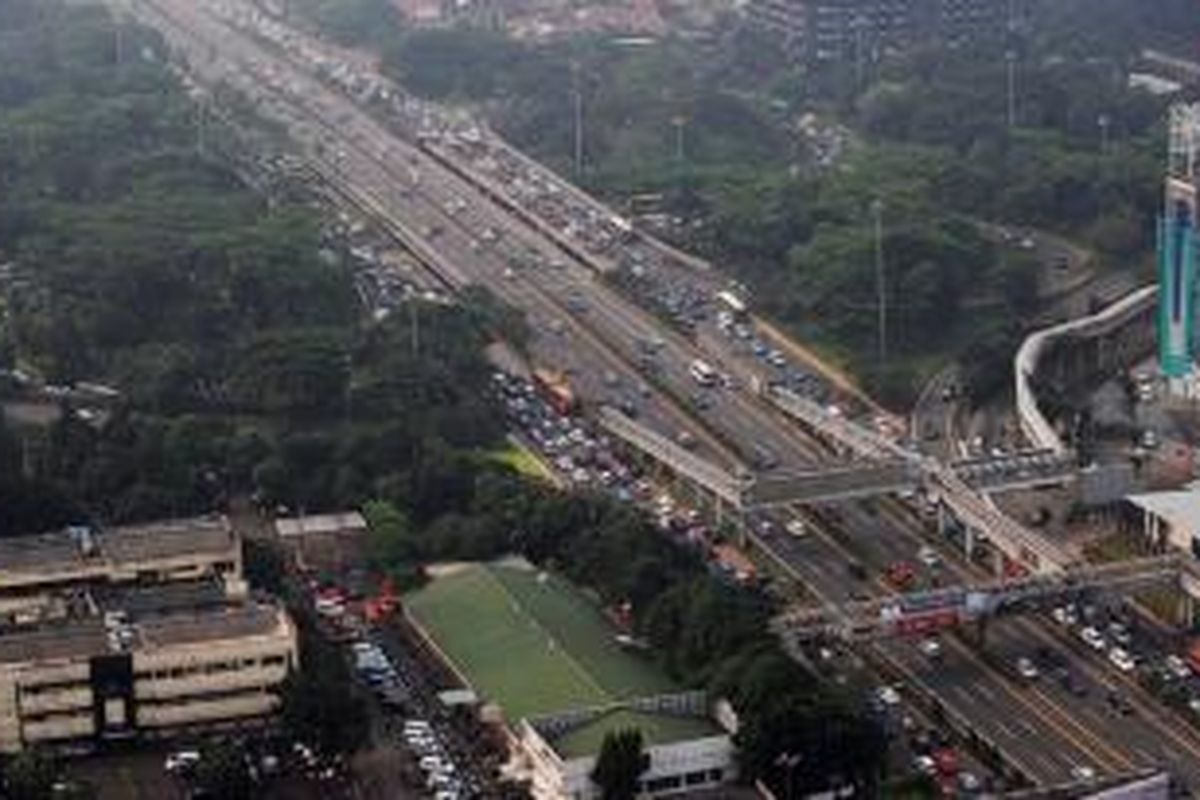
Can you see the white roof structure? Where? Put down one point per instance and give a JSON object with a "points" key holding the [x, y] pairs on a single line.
{"points": [[1179, 509], [347, 522]]}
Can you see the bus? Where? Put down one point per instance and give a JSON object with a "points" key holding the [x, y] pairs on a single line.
{"points": [[703, 373], [730, 302]]}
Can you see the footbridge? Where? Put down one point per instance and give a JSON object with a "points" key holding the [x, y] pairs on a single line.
{"points": [[919, 613]]}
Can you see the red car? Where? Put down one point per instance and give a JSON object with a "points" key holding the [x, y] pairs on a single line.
{"points": [[901, 575]]}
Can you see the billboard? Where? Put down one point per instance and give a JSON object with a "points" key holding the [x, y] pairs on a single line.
{"points": [[1177, 279]]}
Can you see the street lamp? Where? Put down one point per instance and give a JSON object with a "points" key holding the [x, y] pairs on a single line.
{"points": [[880, 277], [679, 121], [789, 762]]}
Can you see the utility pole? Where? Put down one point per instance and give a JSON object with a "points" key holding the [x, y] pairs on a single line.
{"points": [[577, 99], [201, 122], [414, 322], [1103, 121], [1010, 59], [880, 278], [679, 121]]}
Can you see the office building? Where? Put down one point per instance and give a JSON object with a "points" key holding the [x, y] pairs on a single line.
{"points": [[135, 631], [821, 31], [113, 676]]}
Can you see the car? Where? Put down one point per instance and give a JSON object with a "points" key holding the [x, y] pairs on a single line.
{"points": [[1092, 638], [900, 575], [777, 359], [969, 782], [1073, 683], [1065, 615], [887, 695], [1083, 773], [1119, 633], [1194, 705], [181, 761], [925, 765], [930, 647], [1121, 659], [1027, 669], [797, 528], [928, 556], [1177, 667]]}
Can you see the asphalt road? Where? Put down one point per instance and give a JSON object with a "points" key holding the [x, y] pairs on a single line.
{"points": [[1047, 731]]}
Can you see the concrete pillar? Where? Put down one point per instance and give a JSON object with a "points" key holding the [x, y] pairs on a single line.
{"points": [[1187, 611], [941, 518], [997, 562], [968, 542]]}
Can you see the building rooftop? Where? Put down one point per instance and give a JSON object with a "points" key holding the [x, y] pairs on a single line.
{"points": [[346, 522], [142, 601], [29, 553], [1180, 509], [656, 729], [208, 625], [78, 639], [167, 539], [82, 548], [83, 638]]}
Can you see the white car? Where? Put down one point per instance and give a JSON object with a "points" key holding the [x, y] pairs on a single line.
{"points": [[1027, 669], [797, 528], [1082, 772], [928, 556], [1065, 615], [1093, 639], [930, 648], [1178, 667], [1121, 659], [182, 760], [888, 695]]}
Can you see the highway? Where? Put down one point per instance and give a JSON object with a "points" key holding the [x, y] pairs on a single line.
{"points": [[581, 322]]}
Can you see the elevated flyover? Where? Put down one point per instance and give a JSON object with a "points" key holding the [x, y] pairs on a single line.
{"points": [[1096, 349]]}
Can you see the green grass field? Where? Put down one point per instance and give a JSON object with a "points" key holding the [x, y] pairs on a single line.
{"points": [[523, 460], [536, 647]]}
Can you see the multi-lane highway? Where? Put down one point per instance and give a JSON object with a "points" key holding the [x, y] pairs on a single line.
{"points": [[619, 352]]}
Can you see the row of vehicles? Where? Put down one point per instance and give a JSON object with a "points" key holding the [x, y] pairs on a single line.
{"points": [[441, 773]]}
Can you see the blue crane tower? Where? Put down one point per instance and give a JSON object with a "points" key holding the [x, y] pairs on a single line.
{"points": [[1177, 240]]}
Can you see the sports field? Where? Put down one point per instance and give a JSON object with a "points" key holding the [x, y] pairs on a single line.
{"points": [[530, 642]]}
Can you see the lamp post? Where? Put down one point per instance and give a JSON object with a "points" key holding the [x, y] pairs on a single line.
{"points": [[880, 277]]}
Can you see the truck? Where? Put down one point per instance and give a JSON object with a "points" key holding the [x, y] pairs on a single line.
{"points": [[554, 386]]}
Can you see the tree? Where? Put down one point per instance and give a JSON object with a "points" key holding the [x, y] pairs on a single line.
{"points": [[30, 775], [223, 772], [320, 707], [389, 539], [620, 763]]}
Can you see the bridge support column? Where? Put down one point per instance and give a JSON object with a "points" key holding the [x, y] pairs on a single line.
{"points": [[942, 522], [997, 562], [968, 542], [1186, 611]]}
